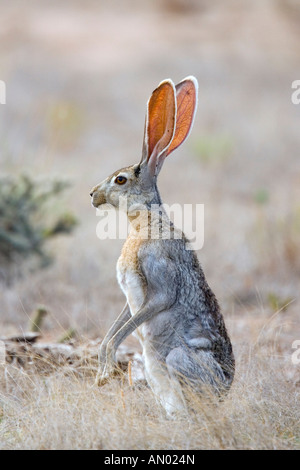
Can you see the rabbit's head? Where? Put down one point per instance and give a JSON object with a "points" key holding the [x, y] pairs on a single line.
{"points": [[170, 114]]}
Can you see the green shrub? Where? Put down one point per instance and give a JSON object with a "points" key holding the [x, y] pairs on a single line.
{"points": [[27, 221]]}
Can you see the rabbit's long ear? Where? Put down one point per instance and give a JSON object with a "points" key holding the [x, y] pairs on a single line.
{"points": [[187, 100], [160, 125]]}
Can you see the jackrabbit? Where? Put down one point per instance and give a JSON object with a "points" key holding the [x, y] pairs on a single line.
{"points": [[169, 303]]}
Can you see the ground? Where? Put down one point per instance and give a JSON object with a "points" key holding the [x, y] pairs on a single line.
{"points": [[78, 77]]}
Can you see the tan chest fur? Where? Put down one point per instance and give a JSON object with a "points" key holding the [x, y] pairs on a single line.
{"points": [[129, 254], [129, 275]]}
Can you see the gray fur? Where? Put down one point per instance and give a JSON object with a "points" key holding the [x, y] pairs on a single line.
{"points": [[184, 332], [194, 321]]}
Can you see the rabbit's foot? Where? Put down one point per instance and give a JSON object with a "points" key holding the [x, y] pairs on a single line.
{"points": [[105, 372]]}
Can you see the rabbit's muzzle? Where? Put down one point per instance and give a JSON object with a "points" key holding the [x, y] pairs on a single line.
{"points": [[98, 196]]}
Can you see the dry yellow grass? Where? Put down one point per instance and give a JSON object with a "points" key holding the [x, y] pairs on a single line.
{"points": [[63, 411]]}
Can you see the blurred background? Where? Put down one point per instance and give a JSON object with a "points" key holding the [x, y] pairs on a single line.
{"points": [[78, 75]]}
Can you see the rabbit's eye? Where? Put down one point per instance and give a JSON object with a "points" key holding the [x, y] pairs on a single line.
{"points": [[120, 180]]}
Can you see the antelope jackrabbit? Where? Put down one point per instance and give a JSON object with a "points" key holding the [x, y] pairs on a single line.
{"points": [[169, 303]]}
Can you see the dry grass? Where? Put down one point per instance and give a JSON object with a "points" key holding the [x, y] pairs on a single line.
{"points": [[63, 411]]}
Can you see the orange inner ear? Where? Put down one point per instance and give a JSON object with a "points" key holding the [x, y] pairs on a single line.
{"points": [[186, 103], [161, 112]]}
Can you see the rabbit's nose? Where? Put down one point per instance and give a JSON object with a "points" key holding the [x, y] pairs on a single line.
{"points": [[91, 193]]}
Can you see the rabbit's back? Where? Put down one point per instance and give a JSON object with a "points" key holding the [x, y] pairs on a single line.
{"points": [[178, 268], [194, 319]]}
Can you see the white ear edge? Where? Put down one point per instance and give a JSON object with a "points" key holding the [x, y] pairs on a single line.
{"points": [[167, 80], [195, 82]]}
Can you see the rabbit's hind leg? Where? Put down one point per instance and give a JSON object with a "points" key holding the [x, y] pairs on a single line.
{"points": [[196, 369], [165, 387]]}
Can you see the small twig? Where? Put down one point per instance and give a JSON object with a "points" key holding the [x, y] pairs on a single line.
{"points": [[37, 318], [69, 334], [123, 399], [129, 373]]}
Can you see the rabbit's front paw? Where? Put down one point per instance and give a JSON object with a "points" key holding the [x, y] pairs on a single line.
{"points": [[104, 373]]}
